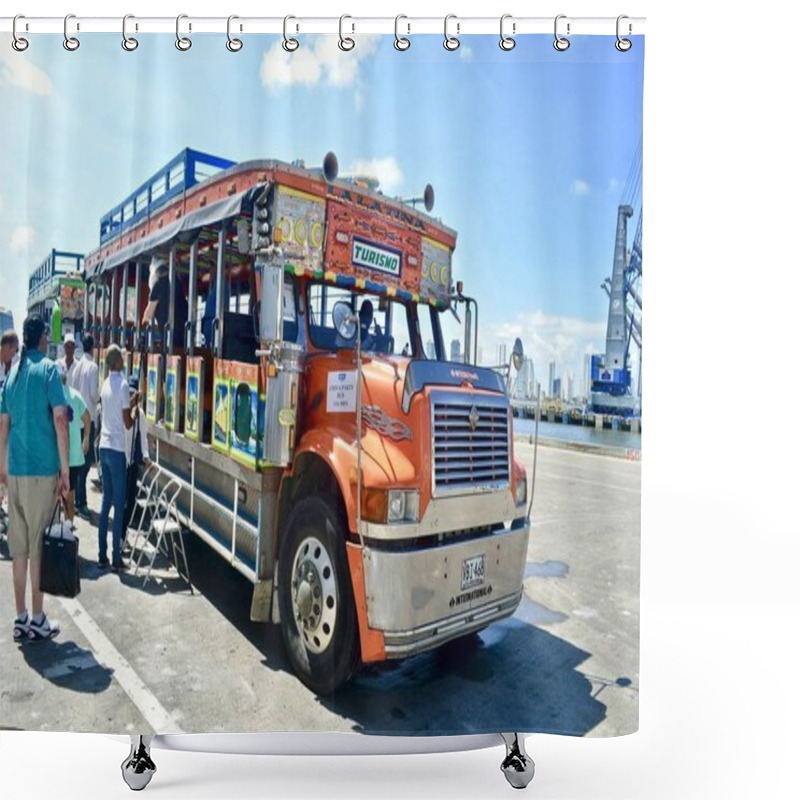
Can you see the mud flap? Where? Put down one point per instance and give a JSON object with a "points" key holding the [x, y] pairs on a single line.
{"points": [[262, 604]]}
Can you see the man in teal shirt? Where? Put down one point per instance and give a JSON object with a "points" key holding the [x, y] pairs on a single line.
{"points": [[34, 465]]}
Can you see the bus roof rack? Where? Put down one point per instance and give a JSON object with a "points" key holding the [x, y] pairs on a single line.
{"points": [[188, 168]]}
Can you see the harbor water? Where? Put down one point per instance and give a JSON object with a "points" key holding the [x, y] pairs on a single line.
{"points": [[623, 440]]}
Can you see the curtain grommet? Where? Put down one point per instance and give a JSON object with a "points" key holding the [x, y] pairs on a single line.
{"points": [[233, 44], [401, 43], [507, 43], [561, 43], [622, 44], [183, 43], [71, 43], [289, 44], [128, 42], [345, 42], [19, 43], [451, 43]]}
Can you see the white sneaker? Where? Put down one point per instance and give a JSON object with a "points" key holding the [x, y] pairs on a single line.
{"points": [[42, 631]]}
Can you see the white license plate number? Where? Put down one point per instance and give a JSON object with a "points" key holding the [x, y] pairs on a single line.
{"points": [[473, 572]]}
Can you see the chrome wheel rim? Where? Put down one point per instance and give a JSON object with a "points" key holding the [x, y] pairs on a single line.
{"points": [[314, 594]]}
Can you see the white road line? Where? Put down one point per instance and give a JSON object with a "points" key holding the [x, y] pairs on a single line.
{"points": [[108, 655]]}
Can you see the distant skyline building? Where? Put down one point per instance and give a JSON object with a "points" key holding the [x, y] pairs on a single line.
{"points": [[525, 385], [6, 320], [587, 376], [501, 354], [480, 355], [430, 350], [551, 380], [568, 384], [556, 388], [455, 351]]}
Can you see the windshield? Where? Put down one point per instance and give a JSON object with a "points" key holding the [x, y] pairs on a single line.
{"points": [[387, 326]]}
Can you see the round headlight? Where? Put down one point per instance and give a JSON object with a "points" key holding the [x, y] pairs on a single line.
{"points": [[522, 491], [397, 505]]}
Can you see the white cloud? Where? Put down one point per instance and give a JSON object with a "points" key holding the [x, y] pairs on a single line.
{"points": [[318, 60], [16, 70], [22, 238], [548, 337], [580, 188], [386, 170], [613, 185]]}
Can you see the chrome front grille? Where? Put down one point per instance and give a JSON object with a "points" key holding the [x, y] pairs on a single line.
{"points": [[471, 450]]}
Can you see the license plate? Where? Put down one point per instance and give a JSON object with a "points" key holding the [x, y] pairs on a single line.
{"points": [[473, 571]]}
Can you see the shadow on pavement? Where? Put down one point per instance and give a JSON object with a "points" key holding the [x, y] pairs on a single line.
{"points": [[67, 665], [512, 676]]}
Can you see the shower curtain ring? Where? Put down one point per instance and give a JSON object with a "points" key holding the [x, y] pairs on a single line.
{"points": [[289, 44], [401, 42], [345, 43], [507, 42], [19, 43], [561, 44], [233, 44], [451, 42], [182, 42], [128, 42], [70, 42], [623, 45]]}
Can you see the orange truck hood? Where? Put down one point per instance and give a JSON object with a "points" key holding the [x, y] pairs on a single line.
{"points": [[396, 425]]}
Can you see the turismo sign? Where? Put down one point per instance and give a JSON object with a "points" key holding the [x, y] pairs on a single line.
{"points": [[383, 259]]}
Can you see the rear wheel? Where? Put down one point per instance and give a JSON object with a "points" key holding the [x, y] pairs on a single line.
{"points": [[318, 614]]}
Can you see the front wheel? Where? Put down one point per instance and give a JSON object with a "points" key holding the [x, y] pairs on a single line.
{"points": [[318, 613]]}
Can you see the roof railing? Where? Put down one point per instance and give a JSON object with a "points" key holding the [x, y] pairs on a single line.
{"points": [[187, 169]]}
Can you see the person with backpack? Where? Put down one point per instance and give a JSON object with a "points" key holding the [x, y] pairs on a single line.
{"points": [[34, 465]]}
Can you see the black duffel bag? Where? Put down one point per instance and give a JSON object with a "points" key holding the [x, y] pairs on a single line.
{"points": [[60, 568]]}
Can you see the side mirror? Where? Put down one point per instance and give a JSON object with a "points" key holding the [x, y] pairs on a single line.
{"points": [[517, 354], [345, 321]]}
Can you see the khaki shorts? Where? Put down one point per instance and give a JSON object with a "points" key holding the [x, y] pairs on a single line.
{"points": [[31, 501]]}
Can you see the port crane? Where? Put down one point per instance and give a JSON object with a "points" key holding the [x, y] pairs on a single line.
{"points": [[610, 372]]}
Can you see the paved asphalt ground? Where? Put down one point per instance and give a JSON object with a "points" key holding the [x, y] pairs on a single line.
{"points": [[134, 659]]}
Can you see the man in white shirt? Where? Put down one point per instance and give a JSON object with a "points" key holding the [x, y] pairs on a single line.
{"points": [[84, 380], [115, 397], [68, 362]]}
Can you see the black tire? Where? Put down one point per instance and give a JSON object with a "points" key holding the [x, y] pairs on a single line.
{"points": [[326, 653]]}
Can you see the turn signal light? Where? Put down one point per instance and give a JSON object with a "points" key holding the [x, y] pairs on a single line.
{"points": [[390, 505], [374, 505]]}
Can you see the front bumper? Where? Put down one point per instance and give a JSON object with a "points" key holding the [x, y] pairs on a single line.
{"points": [[415, 598]]}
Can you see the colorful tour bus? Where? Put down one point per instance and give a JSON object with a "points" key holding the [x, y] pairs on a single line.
{"points": [[367, 488]]}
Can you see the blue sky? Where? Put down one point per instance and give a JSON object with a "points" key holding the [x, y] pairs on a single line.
{"points": [[528, 151]]}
